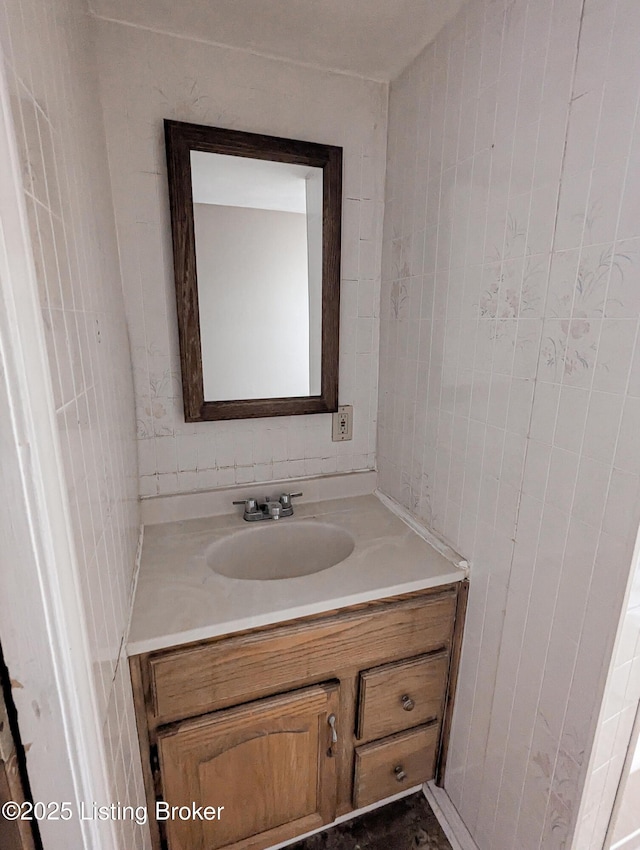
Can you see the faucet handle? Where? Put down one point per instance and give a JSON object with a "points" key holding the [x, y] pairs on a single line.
{"points": [[250, 505], [285, 499]]}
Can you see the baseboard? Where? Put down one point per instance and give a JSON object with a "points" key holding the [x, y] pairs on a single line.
{"points": [[442, 807], [448, 818]]}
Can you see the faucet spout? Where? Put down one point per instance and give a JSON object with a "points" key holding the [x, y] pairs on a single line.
{"points": [[275, 510]]}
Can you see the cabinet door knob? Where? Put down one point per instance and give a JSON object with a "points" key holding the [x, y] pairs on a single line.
{"points": [[400, 774], [407, 703]]}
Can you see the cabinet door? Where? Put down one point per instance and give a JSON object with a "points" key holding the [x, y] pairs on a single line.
{"points": [[269, 763]]}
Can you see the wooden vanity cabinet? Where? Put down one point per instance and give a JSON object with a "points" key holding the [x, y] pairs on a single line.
{"points": [[289, 726]]}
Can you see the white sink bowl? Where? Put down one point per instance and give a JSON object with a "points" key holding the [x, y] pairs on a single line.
{"points": [[278, 549]]}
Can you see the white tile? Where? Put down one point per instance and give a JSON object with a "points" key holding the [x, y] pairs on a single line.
{"points": [[556, 684], [603, 422], [572, 414], [623, 505], [613, 361], [545, 408], [563, 471], [78, 263], [617, 688], [629, 225], [166, 454], [572, 210], [604, 202], [591, 491], [562, 282], [583, 130], [623, 300], [627, 456], [557, 381], [575, 580]]}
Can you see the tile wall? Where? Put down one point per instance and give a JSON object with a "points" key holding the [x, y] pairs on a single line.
{"points": [[50, 59], [510, 377], [617, 715], [146, 77]]}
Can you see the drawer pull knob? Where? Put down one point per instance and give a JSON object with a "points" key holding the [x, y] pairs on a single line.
{"points": [[407, 703], [400, 774], [334, 733]]}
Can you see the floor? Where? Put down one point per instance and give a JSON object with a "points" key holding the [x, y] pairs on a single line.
{"points": [[403, 825]]}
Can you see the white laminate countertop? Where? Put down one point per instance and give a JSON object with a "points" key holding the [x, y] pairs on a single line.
{"points": [[180, 599]]}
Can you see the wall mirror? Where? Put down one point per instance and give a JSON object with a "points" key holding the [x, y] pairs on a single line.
{"points": [[256, 224]]}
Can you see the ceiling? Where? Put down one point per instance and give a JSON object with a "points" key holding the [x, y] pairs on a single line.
{"points": [[369, 38]]}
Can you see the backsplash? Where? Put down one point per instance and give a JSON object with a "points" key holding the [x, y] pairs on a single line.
{"points": [[146, 77], [509, 393]]}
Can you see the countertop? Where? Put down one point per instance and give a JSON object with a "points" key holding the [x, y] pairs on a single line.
{"points": [[180, 599]]}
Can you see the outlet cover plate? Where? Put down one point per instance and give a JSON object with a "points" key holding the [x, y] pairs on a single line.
{"points": [[342, 424]]}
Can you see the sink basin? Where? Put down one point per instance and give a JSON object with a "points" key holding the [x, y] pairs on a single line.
{"points": [[277, 549]]}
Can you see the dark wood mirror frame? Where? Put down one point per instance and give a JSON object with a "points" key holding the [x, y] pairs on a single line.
{"points": [[181, 138]]}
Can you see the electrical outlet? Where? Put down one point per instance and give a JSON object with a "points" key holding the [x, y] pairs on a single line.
{"points": [[342, 424]]}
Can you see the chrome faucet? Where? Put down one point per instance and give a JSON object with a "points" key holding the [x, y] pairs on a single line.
{"points": [[269, 509]]}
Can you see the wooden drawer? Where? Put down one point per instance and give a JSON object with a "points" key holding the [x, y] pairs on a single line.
{"points": [[225, 672], [387, 767], [402, 694]]}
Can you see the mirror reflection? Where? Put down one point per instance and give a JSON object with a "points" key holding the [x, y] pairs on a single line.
{"points": [[258, 236]]}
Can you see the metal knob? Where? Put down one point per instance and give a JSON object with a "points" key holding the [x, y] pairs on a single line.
{"points": [[407, 703], [250, 505], [331, 720], [285, 499], [400, 774]]}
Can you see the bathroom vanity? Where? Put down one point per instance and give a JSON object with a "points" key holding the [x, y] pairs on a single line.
{"points": [[291, 721]]}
